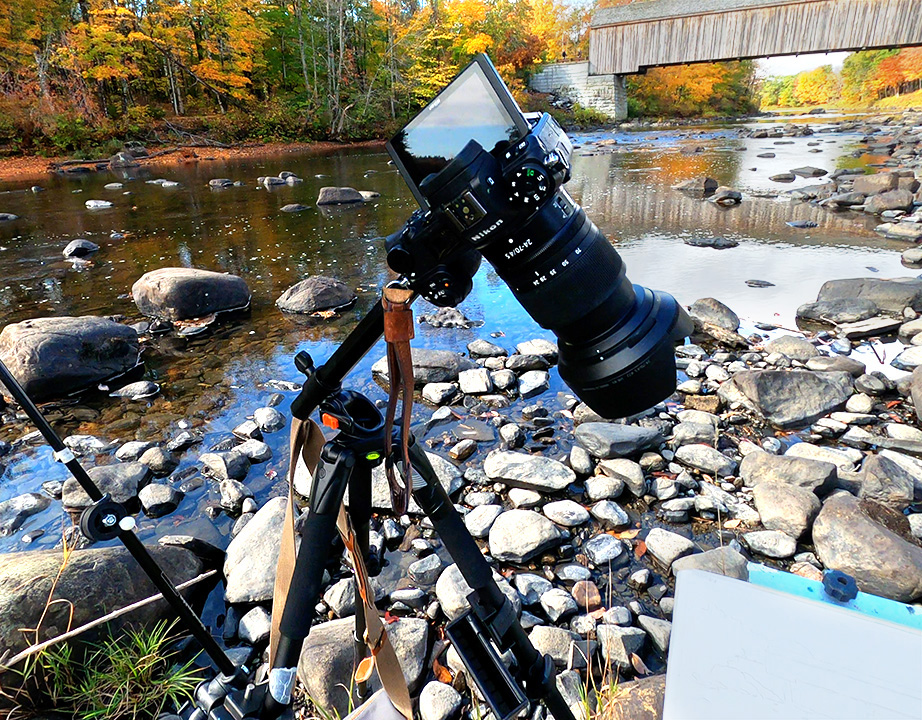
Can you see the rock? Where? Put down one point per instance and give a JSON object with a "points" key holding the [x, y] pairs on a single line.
{"points": [[609, 512], [158, 499], [97, 204], [603, 550], [233, 494], [762, 467], [475, 381], [524, 363], [785, 507], [80, 248], [253, 554], [438, 701], [339, 196], [448, 475], [483, 348], [889, 295], [542, 348], [522, 498], [718, 243], [873, 184], [293, 208], [847, 538], [452, 590], [844, 459], [910, 465], [186, 293], [666, 547], [226, 465], [771, 543], [122, 160], [658, 630], [871, 327], [619, 643], [788, 398], [430, 366], [801, 224], [92, 583], [726, 196], [160, 461], [796, 348], [716, 313], [8, 217], [887, 483], [314, 294], [706, 459], [907, 360], [221, 183], [449, 317], [893, 200], [911, 232], [628, 472], [566, 513], [268, 419], [141, 390], [256, 451], [838, 311], [462, 450], [255, 626], [783, 177], [611, 440], [722, 561], [698, 185], [426, 570], [519, 535], [531, 587], [122, 481], [809, 171], [54, 356], [439, 393], [133, 449], [840, 363], [558, 603], [533, 382], [479, 520], [554, 642], [15, 511], [532, 472]]}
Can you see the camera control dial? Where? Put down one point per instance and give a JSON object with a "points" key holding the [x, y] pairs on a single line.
{"points": [[528, 186]]}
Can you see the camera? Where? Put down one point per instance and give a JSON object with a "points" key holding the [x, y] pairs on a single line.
{"points": [[489, 181]]}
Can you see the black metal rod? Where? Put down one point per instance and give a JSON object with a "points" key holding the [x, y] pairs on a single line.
{"points": [[134, 546]]}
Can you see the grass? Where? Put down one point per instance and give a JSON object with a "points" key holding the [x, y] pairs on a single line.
{"points": [[132, 676], [900, 102]]}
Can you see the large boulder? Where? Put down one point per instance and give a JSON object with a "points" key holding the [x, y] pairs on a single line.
{"points": [[877, 183], [314, 294], [848, 538], [92, 583], [893, 200], [611, 440], [531, 472], [838, 311], [716, 313], [889, 295], [788, 399], [761, 467], [252, 556], [53, 356], [339, 196], [429, 366], [186, 293]]}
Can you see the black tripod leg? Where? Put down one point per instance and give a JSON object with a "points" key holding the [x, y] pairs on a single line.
{"points": [[539, 674], [329, 486]]}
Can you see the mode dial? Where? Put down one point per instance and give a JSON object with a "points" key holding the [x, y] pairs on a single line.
{"points": [[528, 186]]}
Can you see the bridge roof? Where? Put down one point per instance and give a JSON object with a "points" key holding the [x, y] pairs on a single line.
{"points": [[644, 10]]}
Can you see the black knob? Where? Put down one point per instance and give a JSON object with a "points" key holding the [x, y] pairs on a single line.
{"points": [[400, 259], [839, 586], [304, 362], [528, 186]]}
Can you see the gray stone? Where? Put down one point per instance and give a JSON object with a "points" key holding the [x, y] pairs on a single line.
{"points": [[121, 481], [429, 366], [503, 379], [438, 701], [627, 471], [706, 459], [619, 643], [160, 461], [519, 535], [845, 459], [15, 511], [722, 561], [889, 295], [231, 464], [533, 382], [611, 513], [524, 363], [666, 547], [253, 554], [512, 436], [463, 450], [133, 449], [658, 630], [339, 196], [233, 493], [187, 293], [839, 310], [484, 348], [792, 346], [53, 356], [785, 507], [887, 483], [269, 419], [849, 539], [255, 626], [528, 471], [580, 461], [877, 183], [540, 347], [910, 465], [425, 571], [522, 498], [566, 512], [687, 433], [604, 549], [558, 603], [256, 451], [158, 499], [448, 317], [788, 398], [531, 587], [892, 200], [80, 248], [448, 475], [771, 543], [611, 440], [452, 590], [809, 171], [314, 294], [603, 487], [439, 393], [475, 381], [762, 467], [824, 363], [554, 642]]}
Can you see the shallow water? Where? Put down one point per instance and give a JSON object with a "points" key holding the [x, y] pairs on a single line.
{"points": [[212, 382]]}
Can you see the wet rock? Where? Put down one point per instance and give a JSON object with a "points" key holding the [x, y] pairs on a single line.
{"points": [[339, 196], [716, 313], [524, 363], [844, 459], [462, 450], [838, 311], [873, 184], [141, 390], [247, 430], [717, 243], [54, 356], [187, 293], [697, 186], [220, 182], [519, 535], [533, 382], [269, 419], [848, 538], [837, 363], [785, 507], [889, 295], [133, 449], [8, 217], [256, 451], [532, 472], [425, 571], [438, 701], [475, 381], [253, 554], [122, 481], [893, 200], [911, 232], [788, 399], [611, 440], [314, 294], [762, 467], [430, 366], [726, 196], [448, 475], [809, 171], [783, 177], [449, 317], [80, 248], [722, 561], [255, 626], [666, 547], [483, 348], [160, 461], [771, 543], [439, 393], [226, 465], [97, 204], [554, 642], [558, 603], [293, 208], [158, 499], [605, 550], [706, 459], [15, 511], [233, 495]]}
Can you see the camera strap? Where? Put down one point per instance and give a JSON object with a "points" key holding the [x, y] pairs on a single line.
{"points": [[398, 331]]}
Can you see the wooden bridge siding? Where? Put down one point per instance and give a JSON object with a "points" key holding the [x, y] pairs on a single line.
{"points": [[787, 29]]}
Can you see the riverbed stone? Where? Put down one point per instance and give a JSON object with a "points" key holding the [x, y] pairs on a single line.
{"points": [[314, 294], [554, 642], [566, 512], [475, 381], [16, 510], [252, 555], [479, 520], [876, 183], [792, 346], [518, 535], [788, 399], [848, 538], [722, 561], [160, 461], [715, 312], [845, 459], [80, 248], [121, 480], [438, 701], [430, 366], [666, 547], [890, 295], [613, 440], [785, 507], [886, 482], [892, 200], [231, 464], [176, 293], [533, 382], [611, 513], [452, 590], [558, 603], [604, 550], [268, 419], [159, 499], [839, 310], [339, 196], [762, 467], [540, 347], [627, 471], [707, 459], [836, 363], [618, 643], [771, 543], [53, 356], [484, 348], [533, 472]]}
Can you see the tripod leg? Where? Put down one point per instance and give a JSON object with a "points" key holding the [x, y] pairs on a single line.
{"points": [[327, 491], [496, 610]]}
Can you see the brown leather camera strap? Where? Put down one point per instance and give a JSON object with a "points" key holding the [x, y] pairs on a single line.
{"points": [[398, 331]]}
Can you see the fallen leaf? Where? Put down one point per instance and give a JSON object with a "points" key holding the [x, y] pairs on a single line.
{"points": [[390, 619], [363, 671], [640, 549], [442, 673], [639, 667], [732, 524], [893, 403], [626, 534], [324, 314]]}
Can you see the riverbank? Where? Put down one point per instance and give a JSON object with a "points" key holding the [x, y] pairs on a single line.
{"points": [[34, 167]]}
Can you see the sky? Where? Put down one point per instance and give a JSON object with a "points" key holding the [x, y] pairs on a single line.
{"points": [[793, 64]]}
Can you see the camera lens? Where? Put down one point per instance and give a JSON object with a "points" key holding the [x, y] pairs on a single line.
{"points": [[616, 339]]}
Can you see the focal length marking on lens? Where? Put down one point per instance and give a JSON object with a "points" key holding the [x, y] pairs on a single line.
{"points": [[544, 277]]}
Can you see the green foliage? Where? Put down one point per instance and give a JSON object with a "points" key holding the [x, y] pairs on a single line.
{"points": [[134, 676]]}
